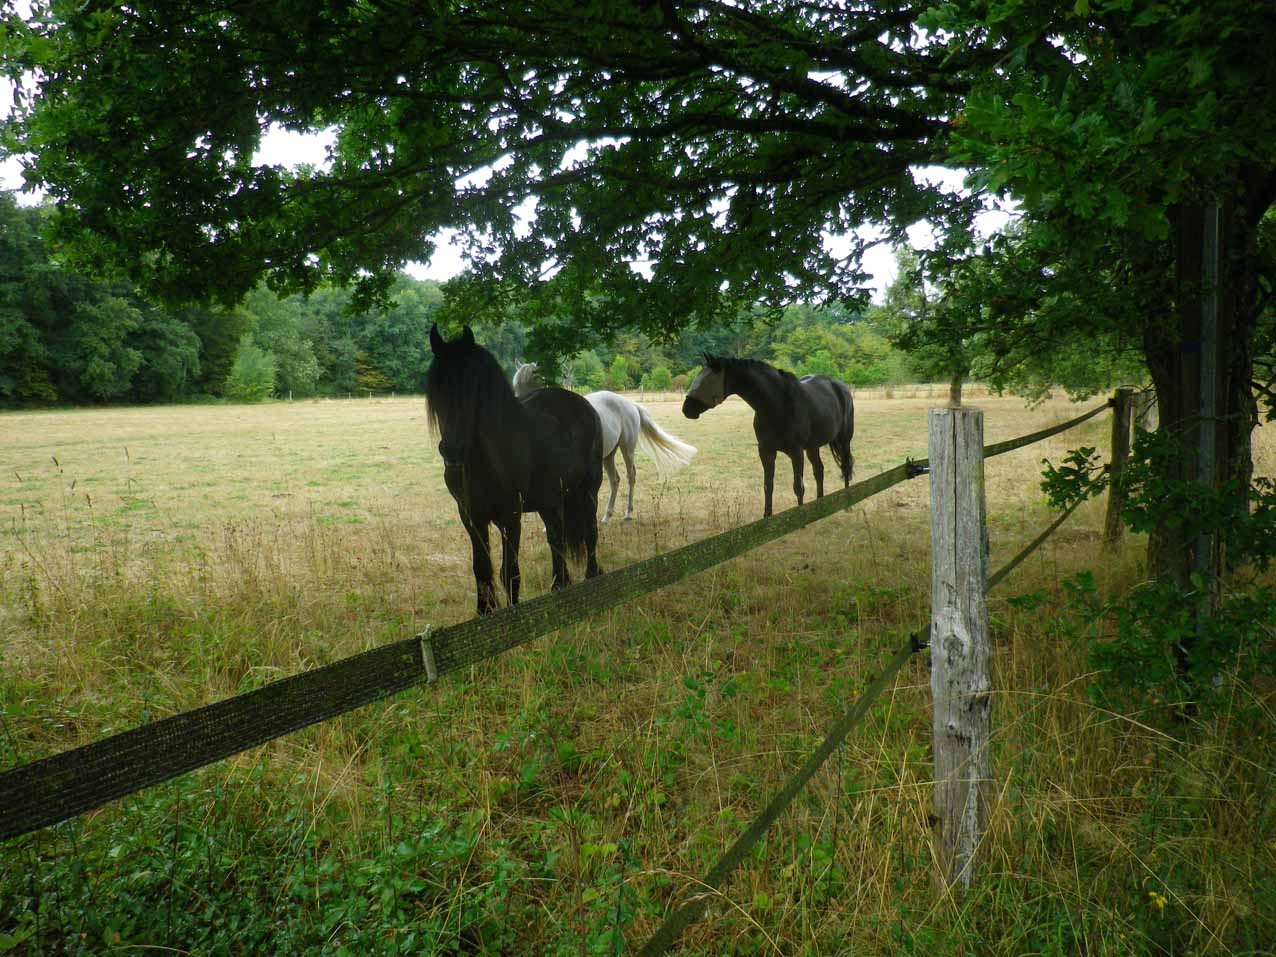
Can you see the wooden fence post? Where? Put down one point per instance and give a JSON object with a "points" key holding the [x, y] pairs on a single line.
{"points": [[1122, 419], [959, 647]]}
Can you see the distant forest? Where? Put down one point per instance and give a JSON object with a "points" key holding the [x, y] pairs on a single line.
{"points": [[68, 339]]}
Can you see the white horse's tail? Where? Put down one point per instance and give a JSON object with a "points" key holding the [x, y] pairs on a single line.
{"points": [[668, 452]]}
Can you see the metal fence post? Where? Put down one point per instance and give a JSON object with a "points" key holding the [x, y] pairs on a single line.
{"points": [[959, 646], [1122, 418]]}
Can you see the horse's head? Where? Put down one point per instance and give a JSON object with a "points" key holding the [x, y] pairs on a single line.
{"points": [[451, 393], [707, 390], [527, 378]]}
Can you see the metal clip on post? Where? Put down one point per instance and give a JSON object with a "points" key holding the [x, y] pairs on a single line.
{"points": [[914, 469]]}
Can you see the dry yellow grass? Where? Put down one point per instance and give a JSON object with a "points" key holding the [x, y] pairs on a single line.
{"points": [[158, 559]]}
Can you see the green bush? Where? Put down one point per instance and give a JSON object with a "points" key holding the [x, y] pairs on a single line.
{"points": [[252, 377], [619, 377], [658, 379]]}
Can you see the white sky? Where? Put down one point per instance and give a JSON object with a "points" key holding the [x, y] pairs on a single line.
{"points": [[289, 149]]}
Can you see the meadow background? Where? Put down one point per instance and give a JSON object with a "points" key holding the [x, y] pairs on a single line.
{"points": [[560, 798]]}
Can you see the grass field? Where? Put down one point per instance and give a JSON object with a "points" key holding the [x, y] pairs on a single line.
{"points": [[561, 797]]}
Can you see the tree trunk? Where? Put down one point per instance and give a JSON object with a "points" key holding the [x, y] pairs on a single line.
{"points": [[954, 389], [1176, 362]]}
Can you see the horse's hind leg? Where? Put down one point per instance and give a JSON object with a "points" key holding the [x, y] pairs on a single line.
{"points": [[614, 478], [589, 506], [486, 591], [817, 470], [511, 535], [556, 534], [631, 474]]}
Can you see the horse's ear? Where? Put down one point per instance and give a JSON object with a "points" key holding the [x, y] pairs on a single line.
{"points": [[713, 362], [436, 340], [467, 336]]}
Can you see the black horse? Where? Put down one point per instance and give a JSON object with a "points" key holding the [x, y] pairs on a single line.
{"points": [[791, 415], [503, 456]]}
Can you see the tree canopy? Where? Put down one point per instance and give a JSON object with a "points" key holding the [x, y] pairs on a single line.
{"points": [[714, 143]]}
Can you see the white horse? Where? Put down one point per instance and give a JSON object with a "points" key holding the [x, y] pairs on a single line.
{"points": [[626, 424]]}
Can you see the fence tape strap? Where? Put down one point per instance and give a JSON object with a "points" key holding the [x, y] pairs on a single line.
{"points": [[1010, 445], [55, 788], [996, 577], [58, 787], [689, 912]]}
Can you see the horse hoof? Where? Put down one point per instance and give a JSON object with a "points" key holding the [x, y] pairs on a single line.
{"points": [[629, 518]]}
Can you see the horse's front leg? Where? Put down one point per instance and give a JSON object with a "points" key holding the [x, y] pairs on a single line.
{"points": [[768, 477], [817, 470], [511, 534], [556, 534], [486, 591], [798, 488]]}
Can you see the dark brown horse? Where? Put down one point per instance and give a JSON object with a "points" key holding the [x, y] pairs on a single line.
{"points": [[790, 415], [503, 456]]}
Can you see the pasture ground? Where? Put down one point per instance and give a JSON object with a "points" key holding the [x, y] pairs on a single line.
{"points": [[155, 560]]}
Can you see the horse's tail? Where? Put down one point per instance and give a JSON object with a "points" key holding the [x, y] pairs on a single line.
{"points": [[841, 446], [580, 516], [669, 452], [577, 513]]}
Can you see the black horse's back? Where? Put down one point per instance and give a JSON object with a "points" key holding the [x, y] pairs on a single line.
{"points": [[575, 426], [561, 470]]}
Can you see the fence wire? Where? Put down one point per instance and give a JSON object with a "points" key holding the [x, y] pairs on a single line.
{"points": [[996, 577], [691, 911], [1000, 448]]}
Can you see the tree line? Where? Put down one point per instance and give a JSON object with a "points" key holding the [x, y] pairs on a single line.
{"points": [[69, 338]]}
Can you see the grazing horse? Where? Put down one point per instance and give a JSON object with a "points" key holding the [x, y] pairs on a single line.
{"points": [[790, 415], [626, 424], [503, 456]]}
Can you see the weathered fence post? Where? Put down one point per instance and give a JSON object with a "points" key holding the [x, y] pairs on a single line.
{"points": [[1122, 418], [959, 646]]}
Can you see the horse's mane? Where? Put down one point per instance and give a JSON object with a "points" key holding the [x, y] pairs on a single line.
{"points": [[755, 364]]}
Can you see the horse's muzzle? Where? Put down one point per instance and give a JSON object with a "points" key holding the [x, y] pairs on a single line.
{"points": [[692, 407], [453, 453]]}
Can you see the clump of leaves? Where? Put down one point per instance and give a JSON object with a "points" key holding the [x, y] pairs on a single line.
{"points": [[1165, 637]]}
